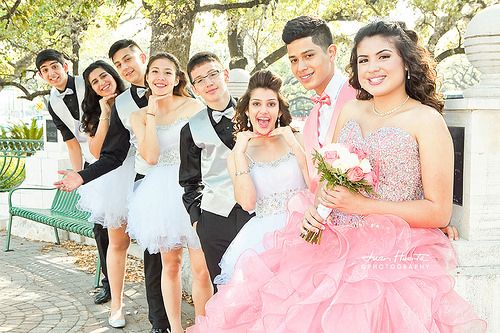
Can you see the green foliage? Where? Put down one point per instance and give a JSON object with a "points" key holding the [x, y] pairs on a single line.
{"points": [[23, 131], [40, 24]]}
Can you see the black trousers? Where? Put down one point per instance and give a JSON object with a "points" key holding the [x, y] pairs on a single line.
{"points": [[216, 233], [102, 242], [157, 314]]}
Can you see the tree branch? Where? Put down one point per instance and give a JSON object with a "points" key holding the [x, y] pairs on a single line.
{"points": [[229, 6], [31, 96], [373, 8], [11, 11], [270, 59], [449, 53], [331, 16], [27, 95], [133, 16]]}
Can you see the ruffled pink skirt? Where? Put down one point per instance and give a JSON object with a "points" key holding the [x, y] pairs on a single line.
{"points": [[381, 277]]}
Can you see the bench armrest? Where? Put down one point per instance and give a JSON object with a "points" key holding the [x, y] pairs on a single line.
{"points": [[41, 188]]}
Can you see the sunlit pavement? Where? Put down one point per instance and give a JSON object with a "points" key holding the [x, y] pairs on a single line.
{"points": [[45, 292]]}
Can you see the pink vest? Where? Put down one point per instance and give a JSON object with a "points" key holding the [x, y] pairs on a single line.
{"points": [[311, 140]]}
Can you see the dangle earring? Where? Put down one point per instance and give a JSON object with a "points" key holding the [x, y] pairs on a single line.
{"points": [[408, 73], [248, 123], [279, 121]]}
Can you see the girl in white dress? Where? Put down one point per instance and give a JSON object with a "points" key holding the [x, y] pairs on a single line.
{"points": [[106, 197], [267, 165], [157, 217]]}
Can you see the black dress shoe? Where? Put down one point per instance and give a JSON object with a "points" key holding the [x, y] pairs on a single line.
{"points": [[160, 330], [102, 296]]}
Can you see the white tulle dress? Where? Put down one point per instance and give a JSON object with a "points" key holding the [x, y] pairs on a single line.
{"points": [[157, 217], [275, 182], [106, 197]]}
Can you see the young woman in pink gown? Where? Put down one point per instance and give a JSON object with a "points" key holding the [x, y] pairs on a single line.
{"points": [[382, 265]]}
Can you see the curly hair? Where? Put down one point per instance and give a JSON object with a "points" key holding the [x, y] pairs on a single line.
{"points": [[181, 88], [267, 80], [421, 85], [90, 104]]}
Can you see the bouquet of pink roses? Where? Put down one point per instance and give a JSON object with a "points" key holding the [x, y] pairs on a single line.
{"points": [[339, 165]]}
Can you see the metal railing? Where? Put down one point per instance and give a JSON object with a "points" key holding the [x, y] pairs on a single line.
{"points": [[13, 153]]}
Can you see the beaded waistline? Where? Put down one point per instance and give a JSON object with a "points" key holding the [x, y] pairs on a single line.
{"points": [[275, 203], [169, 157]]}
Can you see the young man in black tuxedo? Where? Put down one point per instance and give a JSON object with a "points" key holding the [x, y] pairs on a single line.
{"points": [[205, 143]]}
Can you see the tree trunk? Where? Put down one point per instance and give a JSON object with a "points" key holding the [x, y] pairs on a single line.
{"points": [[172, 32], [235, 43]]}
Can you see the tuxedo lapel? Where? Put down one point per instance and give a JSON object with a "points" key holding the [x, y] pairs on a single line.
{"points": [[311, 143]]}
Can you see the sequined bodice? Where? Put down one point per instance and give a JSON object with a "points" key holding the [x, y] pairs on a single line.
{"points": [[168, 139], [275, 182], [394, 154]]}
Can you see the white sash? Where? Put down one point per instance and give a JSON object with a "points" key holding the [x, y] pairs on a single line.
{"points": [[125, 105], [62, 111], [218, 193]]}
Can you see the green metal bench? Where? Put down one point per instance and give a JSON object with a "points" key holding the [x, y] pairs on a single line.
{"points": [[63, 214], [13, 153]]}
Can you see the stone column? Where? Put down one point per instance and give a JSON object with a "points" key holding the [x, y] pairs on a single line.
{"points": [[238, 82], [475, 125]]}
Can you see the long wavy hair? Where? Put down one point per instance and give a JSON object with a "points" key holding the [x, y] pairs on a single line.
{"points": [[90, 104], [181, 88], [422, 83], [267, 80]]}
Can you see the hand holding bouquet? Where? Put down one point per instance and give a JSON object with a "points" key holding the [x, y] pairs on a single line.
{"points": [[339, 165]]}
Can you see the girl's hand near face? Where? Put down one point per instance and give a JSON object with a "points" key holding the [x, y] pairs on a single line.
{"points": [[287, 133], [242, 139], [153, 103], [105, 104]]}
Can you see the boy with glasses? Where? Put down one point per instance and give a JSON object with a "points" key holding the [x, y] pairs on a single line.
{"points": [[205, 143]]}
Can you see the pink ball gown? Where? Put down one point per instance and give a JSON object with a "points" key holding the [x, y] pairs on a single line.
{"points": [[371, 274]]}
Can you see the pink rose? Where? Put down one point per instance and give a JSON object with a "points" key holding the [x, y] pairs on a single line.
{"points": [[355, 174], [371, 178], [331, 156], [360, 152]]}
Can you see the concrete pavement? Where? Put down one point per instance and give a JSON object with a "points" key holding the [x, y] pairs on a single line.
{"points": [[43, 291]]}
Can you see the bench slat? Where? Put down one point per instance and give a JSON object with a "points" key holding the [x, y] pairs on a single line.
{"points": [[63, 214]]}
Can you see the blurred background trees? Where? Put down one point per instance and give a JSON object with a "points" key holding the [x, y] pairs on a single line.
{"points": [[245, 33]]}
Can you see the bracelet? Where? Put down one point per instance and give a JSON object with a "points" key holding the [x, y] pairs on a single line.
{"points": [[239, 173], [150, 114], [104, 118]]}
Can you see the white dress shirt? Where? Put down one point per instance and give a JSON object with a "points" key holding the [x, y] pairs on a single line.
{"points": [[326, 111]]}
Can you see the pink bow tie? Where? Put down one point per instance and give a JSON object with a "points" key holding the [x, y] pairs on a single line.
{"points": [[323, 99]]}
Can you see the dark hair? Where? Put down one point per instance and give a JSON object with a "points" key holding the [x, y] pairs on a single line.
{"points": [[180, 88], [47, 55], [267, 80], [422, 83], [307, 26], [201, 58], [122, 44], [90, 104]]}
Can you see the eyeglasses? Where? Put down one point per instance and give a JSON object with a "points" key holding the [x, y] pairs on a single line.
{"points": [[212, 75]]}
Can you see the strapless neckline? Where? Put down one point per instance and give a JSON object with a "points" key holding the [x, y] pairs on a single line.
{"points": [[378, 130]]}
